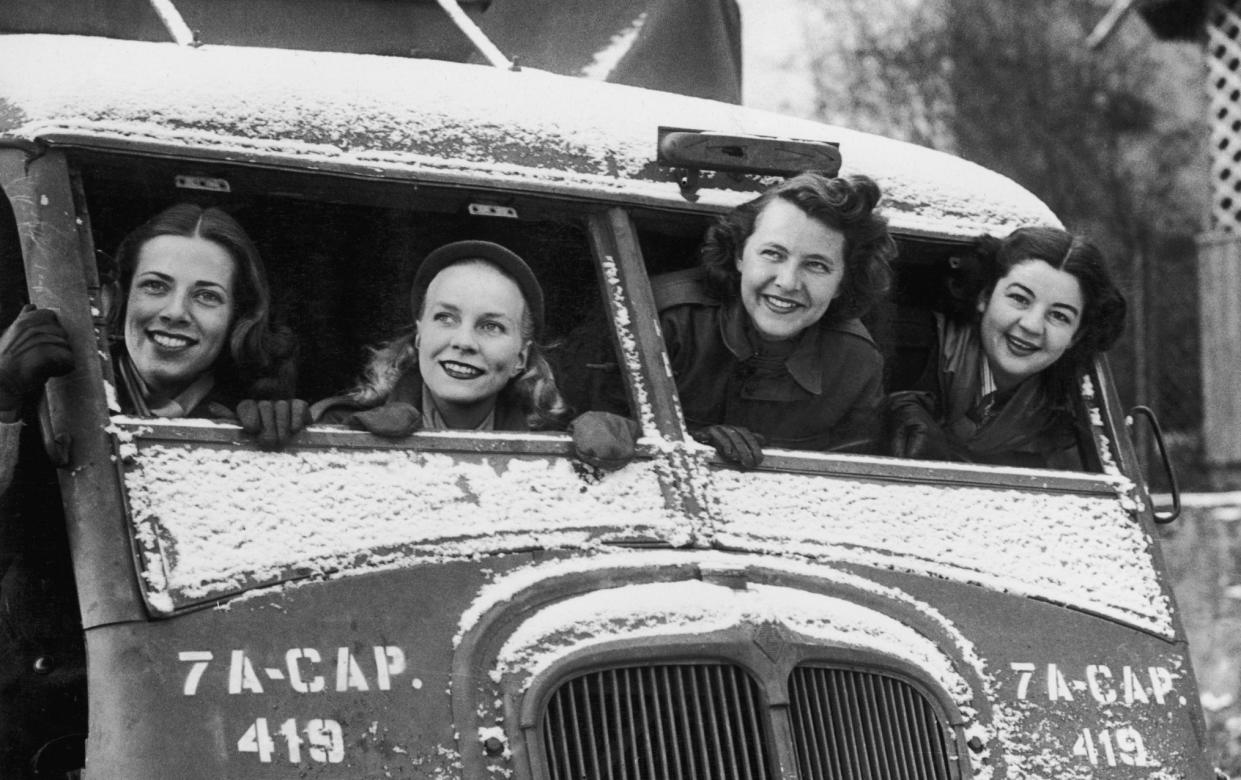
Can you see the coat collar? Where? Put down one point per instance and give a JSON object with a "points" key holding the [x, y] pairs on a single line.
{"points": [[804, 363]]}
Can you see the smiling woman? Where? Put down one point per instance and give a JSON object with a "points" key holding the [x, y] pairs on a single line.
{"points": [[473, 359], [197, 336], [1039, 306], [179, 309], [764, 337]]}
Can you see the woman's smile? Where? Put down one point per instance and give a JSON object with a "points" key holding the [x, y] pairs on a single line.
{"points": [[470, 341], [179, 310], [781, 305], [1020, 346], [791, 266], [462, 371], [171, 341], [1029, 320]]}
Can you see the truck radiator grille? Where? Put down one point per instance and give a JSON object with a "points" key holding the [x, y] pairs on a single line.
{"points": [[670, 722], [853, 725]]}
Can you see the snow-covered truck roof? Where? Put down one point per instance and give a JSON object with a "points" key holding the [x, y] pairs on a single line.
{"points": [[441, 122]]}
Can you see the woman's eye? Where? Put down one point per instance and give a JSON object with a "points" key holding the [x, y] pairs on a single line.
{"points": [[209, 297], [1018, 298], [152, 286], [442, 317], [771, 254], [1062, 318], [819, 267], [493, 327]]}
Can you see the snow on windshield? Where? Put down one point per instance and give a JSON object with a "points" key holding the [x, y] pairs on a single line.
{"points": [[215, 519], [1087, 551]]}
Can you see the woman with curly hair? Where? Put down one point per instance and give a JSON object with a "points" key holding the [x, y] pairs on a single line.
{"points": [[1039, 307], [472, 359], [764, 336]]}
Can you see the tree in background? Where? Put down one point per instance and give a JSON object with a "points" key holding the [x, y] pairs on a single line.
{"points": [[1112, 139]]}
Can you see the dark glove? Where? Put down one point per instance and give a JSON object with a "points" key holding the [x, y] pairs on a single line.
{"points": [[34, 348], [604, 440], [734, 444], [274, 422], [913, 431], [393, 421]]}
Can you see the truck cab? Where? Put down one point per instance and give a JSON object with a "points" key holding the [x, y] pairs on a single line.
{"points": [[459, 604]]}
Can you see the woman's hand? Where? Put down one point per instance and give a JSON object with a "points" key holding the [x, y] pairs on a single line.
{"points": [[604, 440], [733, 443], [34, 348], [392, 420], [912, 429], [273, 422]]}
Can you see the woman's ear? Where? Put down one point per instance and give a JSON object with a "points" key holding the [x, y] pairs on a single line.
{"points": [[522, 357]]}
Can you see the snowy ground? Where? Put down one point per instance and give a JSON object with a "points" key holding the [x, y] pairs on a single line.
{"points": [[1203, 553]]}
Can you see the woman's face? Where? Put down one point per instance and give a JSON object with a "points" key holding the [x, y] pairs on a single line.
{"points": [[1030, 319], [179, 310], [791, 267], [469, 339]]}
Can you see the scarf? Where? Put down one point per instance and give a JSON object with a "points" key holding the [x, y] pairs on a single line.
{"points": [[987, 421]]}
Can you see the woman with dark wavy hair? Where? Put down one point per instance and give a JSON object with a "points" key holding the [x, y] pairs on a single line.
{"points": [[196, 335], [764, 336], [1038, 307]]}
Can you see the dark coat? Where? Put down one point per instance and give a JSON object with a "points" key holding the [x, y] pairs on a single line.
{"points": [[220, 402], [42, 649], [1025, 426], [825, 395]]}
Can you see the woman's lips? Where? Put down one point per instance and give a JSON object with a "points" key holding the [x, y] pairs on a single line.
{"points": [[1020, 346], [460, 370], [171, 341], [780, 305]]}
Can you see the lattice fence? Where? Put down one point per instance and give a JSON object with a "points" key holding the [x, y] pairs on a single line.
{"points": [[1224, 64]]}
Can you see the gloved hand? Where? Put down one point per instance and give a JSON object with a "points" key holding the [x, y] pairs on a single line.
{"points": [[393, 420], [604, 440], [734, 444], [33, 348], [913, 431], [274, 422]]}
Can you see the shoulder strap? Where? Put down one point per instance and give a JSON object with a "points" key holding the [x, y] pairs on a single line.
{"points": [[681, 287]]}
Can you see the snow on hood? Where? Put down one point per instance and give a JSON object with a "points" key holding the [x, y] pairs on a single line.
{"points": [[444, 122], [662, 609], [555, 634], [1082, 550]]}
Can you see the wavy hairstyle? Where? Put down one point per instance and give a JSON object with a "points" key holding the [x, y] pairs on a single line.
{"points": [[846, 205], [534, 391], [260, 361], [1104, 307]]}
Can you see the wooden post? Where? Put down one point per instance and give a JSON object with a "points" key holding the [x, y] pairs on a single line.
{"points": [[1219, 295], [1219, 254]]}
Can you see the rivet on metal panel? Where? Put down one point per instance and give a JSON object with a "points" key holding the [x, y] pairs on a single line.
{"points": [[493, 746]]}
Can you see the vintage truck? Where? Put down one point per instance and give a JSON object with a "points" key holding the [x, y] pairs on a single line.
{"points": [[472, 605]]}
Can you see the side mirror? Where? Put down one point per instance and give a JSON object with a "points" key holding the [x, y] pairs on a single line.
{"points": [[1145, 412]]}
